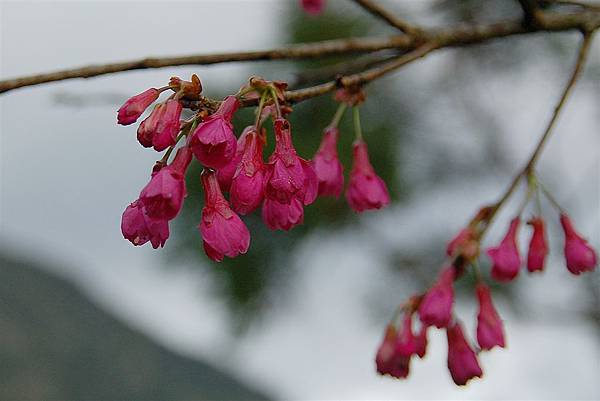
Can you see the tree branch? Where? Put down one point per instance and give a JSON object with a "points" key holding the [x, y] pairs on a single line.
{"points": [[381, 12], [531, 12], [463, 35]]}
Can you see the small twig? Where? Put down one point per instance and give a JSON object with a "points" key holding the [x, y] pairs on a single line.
{"points": [[530, 165], [381, 12], [532, 14], [456, 36]]}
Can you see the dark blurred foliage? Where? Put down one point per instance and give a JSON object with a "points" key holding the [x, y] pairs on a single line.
{"points": [[391, 119], [56, 345]]}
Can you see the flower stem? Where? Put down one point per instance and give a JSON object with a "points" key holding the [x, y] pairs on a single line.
{"points": [[338, 115], [357, 126]]}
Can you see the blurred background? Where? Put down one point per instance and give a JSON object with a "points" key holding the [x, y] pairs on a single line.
{"points": [[85, 315]]}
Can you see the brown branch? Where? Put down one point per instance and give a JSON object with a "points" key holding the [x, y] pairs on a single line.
{"points": [[532, 14], [381, 12], [458, 36], [535, 154]]}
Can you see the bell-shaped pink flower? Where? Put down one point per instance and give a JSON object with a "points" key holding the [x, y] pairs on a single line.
{"points": [[139, 228], [464, 244], [282, 216], [161, 127], [328, 168], [462, 360], [366, 189], [421, 342], [313, 7], [133, 108], [538, 246], [436, 306], [389, 360], [225, 174], [490, 330], [580, 256], [289, 176], [163, 196], [222, 230], [213, 141], [505, 257], [247, 186]]}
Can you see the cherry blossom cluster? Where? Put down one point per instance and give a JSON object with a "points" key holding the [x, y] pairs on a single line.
{"points": [[283, 184], [435, 306]]}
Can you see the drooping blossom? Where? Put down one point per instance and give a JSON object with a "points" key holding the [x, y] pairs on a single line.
{"points": [[247, 185], [464, 244], [133, 108], [163, 196], [288, 175], [462, 360], [490, 330], [213, 141], [328, 168], [225, 174], [223, 232], [161, 127], [421, 342], [580, 256], [388, 360], [538, 246], [505, 257], [290, 182], [282, 216], [313, 7], [366, 189], [139, 228], [436, 307]]}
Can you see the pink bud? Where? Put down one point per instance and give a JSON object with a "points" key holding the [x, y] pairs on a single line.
{"points": [[462, 361], [465, 244], [248, 183], [223, 232], [490, 331], [133, 108], [161, 127], [213, 141], [289, 176], [327, 166], [313, 7], [282, 216], [421, 342], [505, 257], [538, 247], [139, 228], [579, 255], [163, 195], [388, 360], [225, 174], [366, 189], [436, 307]]}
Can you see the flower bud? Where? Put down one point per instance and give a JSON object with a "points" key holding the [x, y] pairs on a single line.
{"points": [[161, 127], [490, 331], [580, 256], [389, 360], [248, 183], [282, 216], [139, 228], [133, 108], [366, 189], [462, 360], [328, 168], [538, 247], [225, 174], [436, 307], [505, 257]]}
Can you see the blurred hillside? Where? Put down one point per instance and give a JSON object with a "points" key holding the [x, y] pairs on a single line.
{"points": [[56, 345]]}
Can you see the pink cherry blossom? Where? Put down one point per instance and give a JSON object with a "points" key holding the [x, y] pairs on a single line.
{"points": [[139, 228], [464, 244], [506, 260], [225, 174], [161, 127], [163, 196], [213, 141], [580, 256], [328, 168], [490, 330], [436, 306], [133, 108], [389, 360], [223, 232], [282, 216], [366, 189], [247, 185], [538, 246], [462, 360]]}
